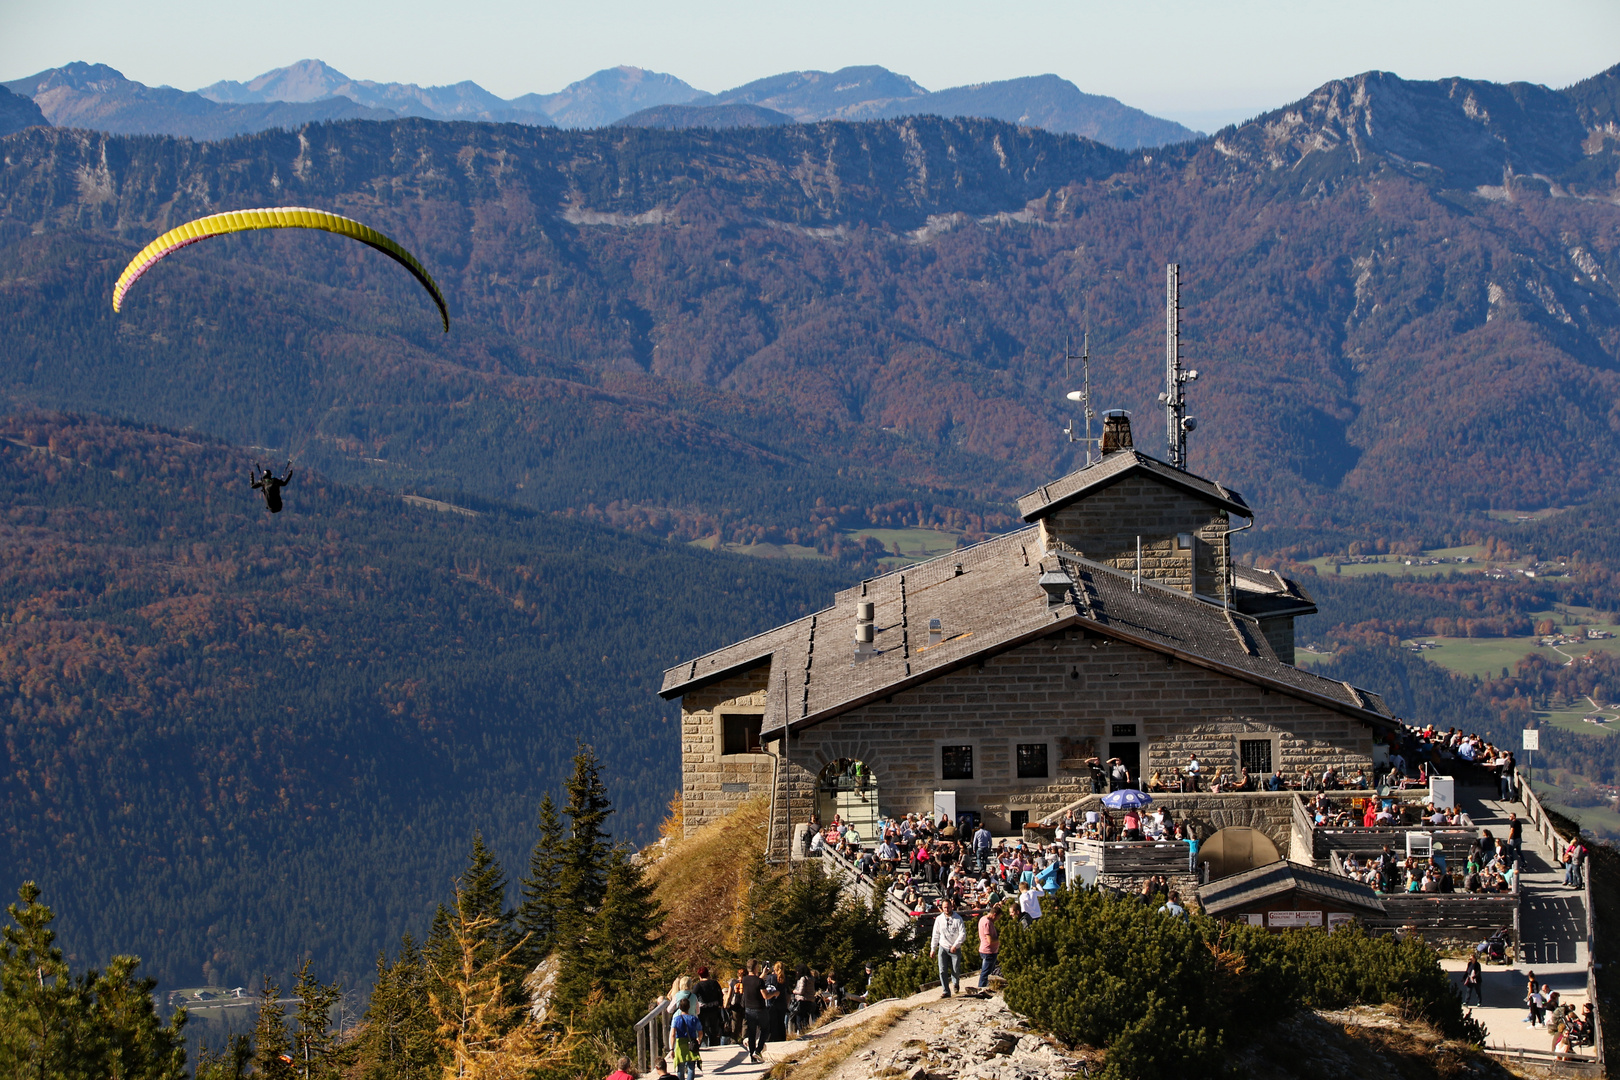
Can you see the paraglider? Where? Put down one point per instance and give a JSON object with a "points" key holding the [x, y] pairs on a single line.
{"points": [[266, 481], [279, 217]]}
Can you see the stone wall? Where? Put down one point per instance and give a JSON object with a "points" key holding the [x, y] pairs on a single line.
{"points": [[1104, 527], [712, 783], [1280, 633], [1066, 691]]}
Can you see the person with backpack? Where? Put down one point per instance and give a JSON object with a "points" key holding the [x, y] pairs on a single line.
{"points": [[686, 1036], [1574, 854]]}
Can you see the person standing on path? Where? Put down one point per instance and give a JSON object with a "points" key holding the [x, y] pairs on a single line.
{"points": [[1515, 835], [685, 1035], [756, 1011], [710, 1000], [623, 1071], [1472, 979], [989, 945], [949, 934], [1573, 855]]}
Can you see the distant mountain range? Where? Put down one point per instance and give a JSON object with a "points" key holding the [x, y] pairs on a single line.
{"points": [[98, 97]]}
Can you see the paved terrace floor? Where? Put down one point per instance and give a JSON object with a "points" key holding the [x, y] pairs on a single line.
{"points": [[1552, 935]]}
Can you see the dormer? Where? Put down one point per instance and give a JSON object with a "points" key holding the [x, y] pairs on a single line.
{"points": [[1132, 511]]}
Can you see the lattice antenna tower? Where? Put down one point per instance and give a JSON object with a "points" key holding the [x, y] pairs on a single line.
{"points": [[1083, 395], [1177, 423]]}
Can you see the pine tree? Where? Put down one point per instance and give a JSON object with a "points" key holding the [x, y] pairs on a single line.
{"points": [[41, 1007], [272, 1051], [312, 1041], [132, 1041], [586, 855], [397, 1042], [624, 938], [543, 899], [232, 1063], [481, 899]]}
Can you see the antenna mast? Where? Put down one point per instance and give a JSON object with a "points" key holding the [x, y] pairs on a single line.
{"points": [[1174, 399], [1082, 396]]}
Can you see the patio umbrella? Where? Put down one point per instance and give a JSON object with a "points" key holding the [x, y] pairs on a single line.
{"points": [[1127, 799]]}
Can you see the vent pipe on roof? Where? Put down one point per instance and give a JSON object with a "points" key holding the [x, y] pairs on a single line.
{"points": [[1116, 433], [865, 630]]}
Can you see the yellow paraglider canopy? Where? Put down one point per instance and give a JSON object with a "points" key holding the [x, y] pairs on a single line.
{"points": [[279, 217]]}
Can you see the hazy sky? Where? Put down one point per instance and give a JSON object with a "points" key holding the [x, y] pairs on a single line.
{"points": [[1202, 63]]}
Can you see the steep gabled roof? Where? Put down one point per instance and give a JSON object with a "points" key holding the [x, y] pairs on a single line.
{"points": [[1266, 594], [1115, 467], [1275, 879], [988, 599]]}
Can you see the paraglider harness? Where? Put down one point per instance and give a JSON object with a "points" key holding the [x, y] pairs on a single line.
{"points": [[266, 481]]}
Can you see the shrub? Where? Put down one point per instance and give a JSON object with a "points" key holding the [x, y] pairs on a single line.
{"points": [[1161, 994]]}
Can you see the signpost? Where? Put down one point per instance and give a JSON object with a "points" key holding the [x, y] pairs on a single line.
{"points": [[1532, 743]]}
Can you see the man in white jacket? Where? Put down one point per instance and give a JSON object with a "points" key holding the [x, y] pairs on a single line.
{"points": [[949, 934]]}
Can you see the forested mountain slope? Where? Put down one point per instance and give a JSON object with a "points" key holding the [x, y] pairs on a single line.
{"points": [[1383, 337], [234, 739]]}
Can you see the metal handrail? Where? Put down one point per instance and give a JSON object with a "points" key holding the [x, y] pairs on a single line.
{"points": [[652, 1034]]}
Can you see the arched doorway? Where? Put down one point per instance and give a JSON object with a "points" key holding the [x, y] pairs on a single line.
{"points": [[846, 788], [1235, 849]]}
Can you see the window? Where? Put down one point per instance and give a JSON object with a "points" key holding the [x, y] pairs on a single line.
{"points": [[1184, 541], [1255, 754], [1020, 818], [1127, 731], [741, 733], [956, 762], [1032, 761]]}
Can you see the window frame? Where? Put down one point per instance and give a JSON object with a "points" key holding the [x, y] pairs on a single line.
{"points": [[726, 720], [1018, 747], [972, 754]]}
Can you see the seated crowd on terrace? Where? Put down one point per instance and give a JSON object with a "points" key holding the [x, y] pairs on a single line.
{"points": [[1490, 868]]}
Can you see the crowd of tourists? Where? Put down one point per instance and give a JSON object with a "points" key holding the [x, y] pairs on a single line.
{"points": [[1569, 1030], [762, 1002]]}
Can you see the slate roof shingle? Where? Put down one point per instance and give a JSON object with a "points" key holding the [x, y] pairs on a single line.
{"points": [[1275, 879], [988, 599]]}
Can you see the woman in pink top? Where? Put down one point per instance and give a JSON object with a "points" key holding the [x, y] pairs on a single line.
{"points": [[1133, 824]]}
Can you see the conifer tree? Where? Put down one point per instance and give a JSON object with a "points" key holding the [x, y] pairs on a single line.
{"points": [[586, 854], [481, 900], [398, 1040], [624, 938], [41, 1008], [543, 898], [312, 1041], [231, 1063], [272, 1050], [98, 1026]]}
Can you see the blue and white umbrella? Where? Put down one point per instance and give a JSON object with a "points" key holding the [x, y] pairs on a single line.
{"points": [[1127, 799]]}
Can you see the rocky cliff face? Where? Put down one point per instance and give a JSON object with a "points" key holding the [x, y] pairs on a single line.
{"points": [[18, 112], [1454, 133]]}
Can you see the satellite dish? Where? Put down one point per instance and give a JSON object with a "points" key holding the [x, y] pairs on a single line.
{"points": [[1190, 424]]}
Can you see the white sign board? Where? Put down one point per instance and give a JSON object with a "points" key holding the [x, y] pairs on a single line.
{"points": [[945, 803], [1276, 919], [1256, 920], [1337, 919], [1532, 738]]}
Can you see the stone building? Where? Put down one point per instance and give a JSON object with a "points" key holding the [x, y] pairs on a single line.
{"points": [[1115, 624]]}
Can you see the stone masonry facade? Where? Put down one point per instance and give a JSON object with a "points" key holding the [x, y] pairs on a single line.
{"points": [[713, 783], [1065, 690], [1105, 525]]}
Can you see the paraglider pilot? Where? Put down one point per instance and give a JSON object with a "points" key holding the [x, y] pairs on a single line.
{"points": [[266, 481]]}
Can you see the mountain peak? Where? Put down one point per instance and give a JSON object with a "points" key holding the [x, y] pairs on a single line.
{"points": [[607, 95], [306, 80]]}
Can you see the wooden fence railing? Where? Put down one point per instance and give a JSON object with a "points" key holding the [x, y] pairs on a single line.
{"points": [[1136, 858], [1454, 843]]}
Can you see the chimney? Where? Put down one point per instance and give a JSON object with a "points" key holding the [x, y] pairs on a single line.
{"points": [[1116, 433], [865, 630], [1057, 585]]}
